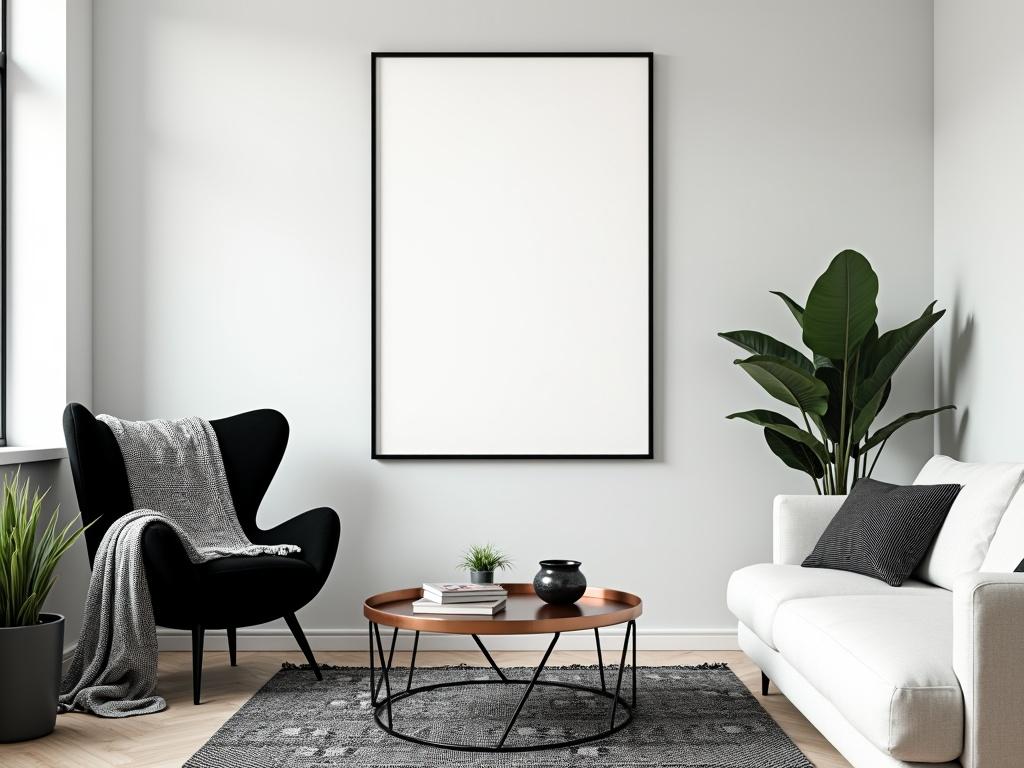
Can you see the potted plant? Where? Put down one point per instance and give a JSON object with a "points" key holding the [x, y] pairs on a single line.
{"points": [[482, 562], [842, 386], [31, 642]]}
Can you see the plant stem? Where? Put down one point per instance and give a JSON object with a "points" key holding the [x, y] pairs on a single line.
{"points": [[879, 453], [853, 417], [841, 448], [825, 465], [831, 448]]}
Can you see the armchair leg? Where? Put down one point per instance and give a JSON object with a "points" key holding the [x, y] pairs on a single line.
{"points": [[198, 634], [300, 638], [764, 684], [232, 646]]}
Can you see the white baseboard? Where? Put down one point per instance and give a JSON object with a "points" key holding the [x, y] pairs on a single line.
{"points": [[280, 639], [69, 653]]}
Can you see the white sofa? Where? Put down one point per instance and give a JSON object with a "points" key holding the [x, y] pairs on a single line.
{"points": [[930, 673]]}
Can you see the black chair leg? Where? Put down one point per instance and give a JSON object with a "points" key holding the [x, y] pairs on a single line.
{"points": [[197, 661], [764, 684], [300, 638], [232, 646]]}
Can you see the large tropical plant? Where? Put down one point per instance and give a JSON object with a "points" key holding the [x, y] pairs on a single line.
{"points": [[28, 555], [842, 386]]}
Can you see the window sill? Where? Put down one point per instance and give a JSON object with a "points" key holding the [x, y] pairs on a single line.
{"points": [[24, 455]]}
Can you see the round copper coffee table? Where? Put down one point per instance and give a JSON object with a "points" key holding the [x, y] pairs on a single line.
{"points": [[524, 614]]}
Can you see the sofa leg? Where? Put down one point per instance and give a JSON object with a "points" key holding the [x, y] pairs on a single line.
{"points": [[232, 646], [197, 661], [764, 684], [300, 638]]}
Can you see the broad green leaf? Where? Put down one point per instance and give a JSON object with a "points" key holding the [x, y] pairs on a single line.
{"points": [[777, 423], [832, 377], [885, 343], [884, 433], [885, 395], [758, 343], [841, 307], [787, 382], [865, 416], [868, 348], [892, 349], [795, 309], [762, 417], [793, 454]]}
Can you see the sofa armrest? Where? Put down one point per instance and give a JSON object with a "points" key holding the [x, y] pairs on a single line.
{"points": [[988, 659], [798, 522]]}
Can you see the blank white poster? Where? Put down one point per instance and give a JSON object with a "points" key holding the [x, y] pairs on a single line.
{"points": [[512, 256]]}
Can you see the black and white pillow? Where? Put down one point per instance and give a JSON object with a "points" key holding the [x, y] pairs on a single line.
{"points": [[883, 530]]}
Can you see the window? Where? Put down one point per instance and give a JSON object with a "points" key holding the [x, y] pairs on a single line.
{"points": [[3, 222]]}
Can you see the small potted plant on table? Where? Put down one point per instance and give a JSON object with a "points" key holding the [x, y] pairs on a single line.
{"points": [[31, 642], [483, 561]]}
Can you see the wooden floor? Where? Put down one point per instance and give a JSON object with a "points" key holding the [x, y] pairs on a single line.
{"points": [[170, 737]]}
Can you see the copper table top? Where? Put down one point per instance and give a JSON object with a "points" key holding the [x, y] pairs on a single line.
{"points": [[524, 613]]}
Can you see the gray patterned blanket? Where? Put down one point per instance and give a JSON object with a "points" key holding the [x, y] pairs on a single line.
{"points": [[177, 478]]}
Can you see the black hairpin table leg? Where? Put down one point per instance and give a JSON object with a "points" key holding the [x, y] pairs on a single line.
{"points": [[384, 717], [391, 657], [490, 661], [529, 690], [384, 671], [412, 664], [633, 625], [373, 688], [622, 668]]}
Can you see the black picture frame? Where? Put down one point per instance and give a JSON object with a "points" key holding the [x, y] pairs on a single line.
{"points": [[375, 454]]}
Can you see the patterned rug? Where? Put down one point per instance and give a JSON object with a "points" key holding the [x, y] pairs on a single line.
{"points": [[686, 717]]}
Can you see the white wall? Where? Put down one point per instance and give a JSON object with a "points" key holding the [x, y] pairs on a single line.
{"points": [[232, 255], [979, 226]]}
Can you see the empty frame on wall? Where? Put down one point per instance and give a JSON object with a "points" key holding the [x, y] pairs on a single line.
{"points": [[512, 255]]}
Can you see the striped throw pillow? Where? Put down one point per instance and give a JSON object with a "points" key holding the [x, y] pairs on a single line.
{"points": [[882, 530]]}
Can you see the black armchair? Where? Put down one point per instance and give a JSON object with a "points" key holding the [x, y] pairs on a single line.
{"points": [[228, 592]]}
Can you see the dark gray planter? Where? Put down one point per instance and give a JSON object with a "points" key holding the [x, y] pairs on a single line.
{"points": [[30, 659], [481, 577]]}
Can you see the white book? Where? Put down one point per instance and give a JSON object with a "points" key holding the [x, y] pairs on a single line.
{"points": [[454, 599], [461, 587], [447, 594], [488, 608]]}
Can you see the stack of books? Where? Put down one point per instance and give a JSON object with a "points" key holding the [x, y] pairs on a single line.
{"points": [[461, 599]]}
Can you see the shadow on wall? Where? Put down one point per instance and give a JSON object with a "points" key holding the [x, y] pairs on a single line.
{"points": [[950, 365]]}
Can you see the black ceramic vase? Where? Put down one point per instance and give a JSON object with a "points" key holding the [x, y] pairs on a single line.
{"points": [[559, 582]]}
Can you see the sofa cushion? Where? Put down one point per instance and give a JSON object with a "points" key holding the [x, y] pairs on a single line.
{"points": [[756, 592], [886, 663], [1006, 551], [964, 538]]}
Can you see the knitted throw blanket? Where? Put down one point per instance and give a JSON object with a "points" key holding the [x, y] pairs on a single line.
{"points": [[177, 478]]}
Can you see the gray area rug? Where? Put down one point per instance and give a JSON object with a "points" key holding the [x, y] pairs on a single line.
{"points": [[686, 717]]}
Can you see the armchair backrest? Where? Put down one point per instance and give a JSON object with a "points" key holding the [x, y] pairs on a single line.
{"points": [[252, 445]]}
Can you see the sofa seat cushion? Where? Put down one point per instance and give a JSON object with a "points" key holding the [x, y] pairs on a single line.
{"points": [[886, 663], [756, 592], [244, 590]]}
